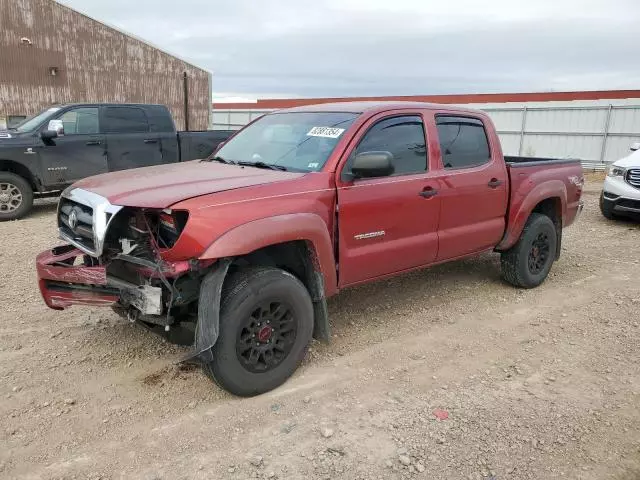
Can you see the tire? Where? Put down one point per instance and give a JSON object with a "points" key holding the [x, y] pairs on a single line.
{"points": [[16, 196], [516, 263], [607, 208], [249, 299]]}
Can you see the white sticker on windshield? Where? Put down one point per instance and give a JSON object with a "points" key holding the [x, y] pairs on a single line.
{"points": [[313, 165], [327, 132]]}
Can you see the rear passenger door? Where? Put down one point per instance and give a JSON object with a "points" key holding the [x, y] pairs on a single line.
{"points": [[130, 143], [474, 187]]}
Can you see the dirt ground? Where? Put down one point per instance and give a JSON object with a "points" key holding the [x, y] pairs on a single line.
{"points": [[537, 384]]}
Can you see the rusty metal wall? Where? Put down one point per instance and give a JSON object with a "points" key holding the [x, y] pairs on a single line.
{"points": [[93, 62]]}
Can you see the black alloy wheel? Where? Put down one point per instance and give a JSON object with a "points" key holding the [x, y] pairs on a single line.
{"points": [[539, 253], [266, 337]]}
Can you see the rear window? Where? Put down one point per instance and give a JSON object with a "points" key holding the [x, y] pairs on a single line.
{"points": [[125, 120], [463, 142]]}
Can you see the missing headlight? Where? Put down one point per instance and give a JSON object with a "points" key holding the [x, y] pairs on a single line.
{"points": [[170, 226]]}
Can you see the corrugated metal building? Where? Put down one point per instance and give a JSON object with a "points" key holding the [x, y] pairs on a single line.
{"points": [[52, 54], [597, 127]]}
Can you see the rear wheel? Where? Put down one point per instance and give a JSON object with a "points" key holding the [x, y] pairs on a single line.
{"points": [[16, 196], [266, 322], [528, 262]]}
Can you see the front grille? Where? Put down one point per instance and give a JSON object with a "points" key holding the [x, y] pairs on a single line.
{"points": [[633, 177], [82, 231]]}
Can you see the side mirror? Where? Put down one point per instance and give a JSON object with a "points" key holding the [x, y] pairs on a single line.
{"points": [[635, 146], [372, 164], [48, 135], [57, 127]]}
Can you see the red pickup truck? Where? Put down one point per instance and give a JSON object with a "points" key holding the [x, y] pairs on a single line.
{"points": [[237, 254]]}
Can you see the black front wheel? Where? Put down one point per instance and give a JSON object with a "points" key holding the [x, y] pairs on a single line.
{"points": [[266, 323], [528, 262]]}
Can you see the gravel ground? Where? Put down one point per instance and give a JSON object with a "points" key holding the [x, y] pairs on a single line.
{"points": [[446, 373]]}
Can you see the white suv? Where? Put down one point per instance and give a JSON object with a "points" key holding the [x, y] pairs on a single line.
{"points": [[621, 190]]}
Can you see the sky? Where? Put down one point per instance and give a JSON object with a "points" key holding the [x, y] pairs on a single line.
{"points": [[335, 48]]}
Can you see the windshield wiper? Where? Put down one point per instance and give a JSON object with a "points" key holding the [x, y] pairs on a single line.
{"points": [[221, 160], [270, 166]]}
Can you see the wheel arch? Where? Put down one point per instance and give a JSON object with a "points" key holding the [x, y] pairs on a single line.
{"points": [[267, 232], [548, 198], [297, 243], [21, 170]]}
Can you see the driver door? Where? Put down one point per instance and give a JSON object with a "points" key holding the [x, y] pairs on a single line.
{"points": [[80, 152], [389, 224]]}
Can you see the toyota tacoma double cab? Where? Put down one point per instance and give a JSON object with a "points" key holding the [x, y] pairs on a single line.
{"points": [[237, 254], [44, 154]]}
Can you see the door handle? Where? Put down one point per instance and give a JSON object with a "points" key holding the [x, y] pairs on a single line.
{"points": [[494, 183], [150, 140], [428, 192], [94, 142]]}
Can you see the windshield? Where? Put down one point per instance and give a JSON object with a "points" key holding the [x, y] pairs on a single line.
{"points": [[32, 122], [296, 141]]}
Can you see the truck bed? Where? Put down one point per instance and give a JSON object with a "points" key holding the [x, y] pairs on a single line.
{"points": [[517, 161], [557, 178]]}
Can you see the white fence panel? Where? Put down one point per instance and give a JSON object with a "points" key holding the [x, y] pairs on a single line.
{"points": [[566, 120], [625, 120], [510, 143], [507, 120], [582, 146]]}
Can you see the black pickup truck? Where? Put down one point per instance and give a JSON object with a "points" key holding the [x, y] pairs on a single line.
{"points": [[51, 150]]}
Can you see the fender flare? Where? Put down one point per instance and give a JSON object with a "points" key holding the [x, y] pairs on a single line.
{"points": [[544, 191], [264, 232], [19, 168]]}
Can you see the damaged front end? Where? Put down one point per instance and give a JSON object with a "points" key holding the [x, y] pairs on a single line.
{"points": [[115, 256]]}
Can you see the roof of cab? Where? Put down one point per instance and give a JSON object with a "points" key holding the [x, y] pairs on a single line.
{"points": [[105, 104], [373, 107]]}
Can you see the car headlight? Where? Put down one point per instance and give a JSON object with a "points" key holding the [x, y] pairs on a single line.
{"points": [[615, 171]]}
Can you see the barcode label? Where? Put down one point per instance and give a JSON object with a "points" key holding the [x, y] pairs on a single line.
{"points": [[328, 132]]}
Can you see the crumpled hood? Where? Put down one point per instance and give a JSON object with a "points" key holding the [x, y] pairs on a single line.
{"points": [[165, 185], [630, 161]]}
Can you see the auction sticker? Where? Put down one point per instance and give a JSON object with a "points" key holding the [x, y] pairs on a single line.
{"points": [[328, 132]]}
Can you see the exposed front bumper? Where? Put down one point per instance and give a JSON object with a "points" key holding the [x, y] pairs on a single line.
{"points": [[62, 283], [65, 279], [67, 276]]}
